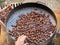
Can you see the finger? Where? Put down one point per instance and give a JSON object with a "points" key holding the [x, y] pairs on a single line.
{"points": [[22, 38], [26, 44]]}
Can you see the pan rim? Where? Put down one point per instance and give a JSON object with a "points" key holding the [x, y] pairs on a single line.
{"points": [[23, 5]]}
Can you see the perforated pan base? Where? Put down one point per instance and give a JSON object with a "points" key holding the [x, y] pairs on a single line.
{"points": [[15, 16]]}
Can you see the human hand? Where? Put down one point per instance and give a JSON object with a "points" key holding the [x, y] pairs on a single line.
{"points": [[20, 40]]}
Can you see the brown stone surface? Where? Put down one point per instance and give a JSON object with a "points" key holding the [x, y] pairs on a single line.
{"points": [[4, 39], [57, 13]]}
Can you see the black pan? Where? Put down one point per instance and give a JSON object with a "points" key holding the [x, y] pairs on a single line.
{"points": [[26, 8]]}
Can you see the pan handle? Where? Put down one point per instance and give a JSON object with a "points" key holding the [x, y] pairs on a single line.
{"points": [[56, 39], [58, 32]]}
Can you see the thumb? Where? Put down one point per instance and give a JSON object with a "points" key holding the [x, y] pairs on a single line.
{"points": [[20, 40]]}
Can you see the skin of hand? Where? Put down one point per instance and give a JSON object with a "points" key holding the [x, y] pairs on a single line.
{"points": [[20, 40]]}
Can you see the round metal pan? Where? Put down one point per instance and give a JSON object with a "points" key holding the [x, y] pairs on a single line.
{"points": [[26, 8]]}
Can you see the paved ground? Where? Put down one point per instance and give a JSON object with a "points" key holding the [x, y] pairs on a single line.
{"points": [[53, 4]]}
